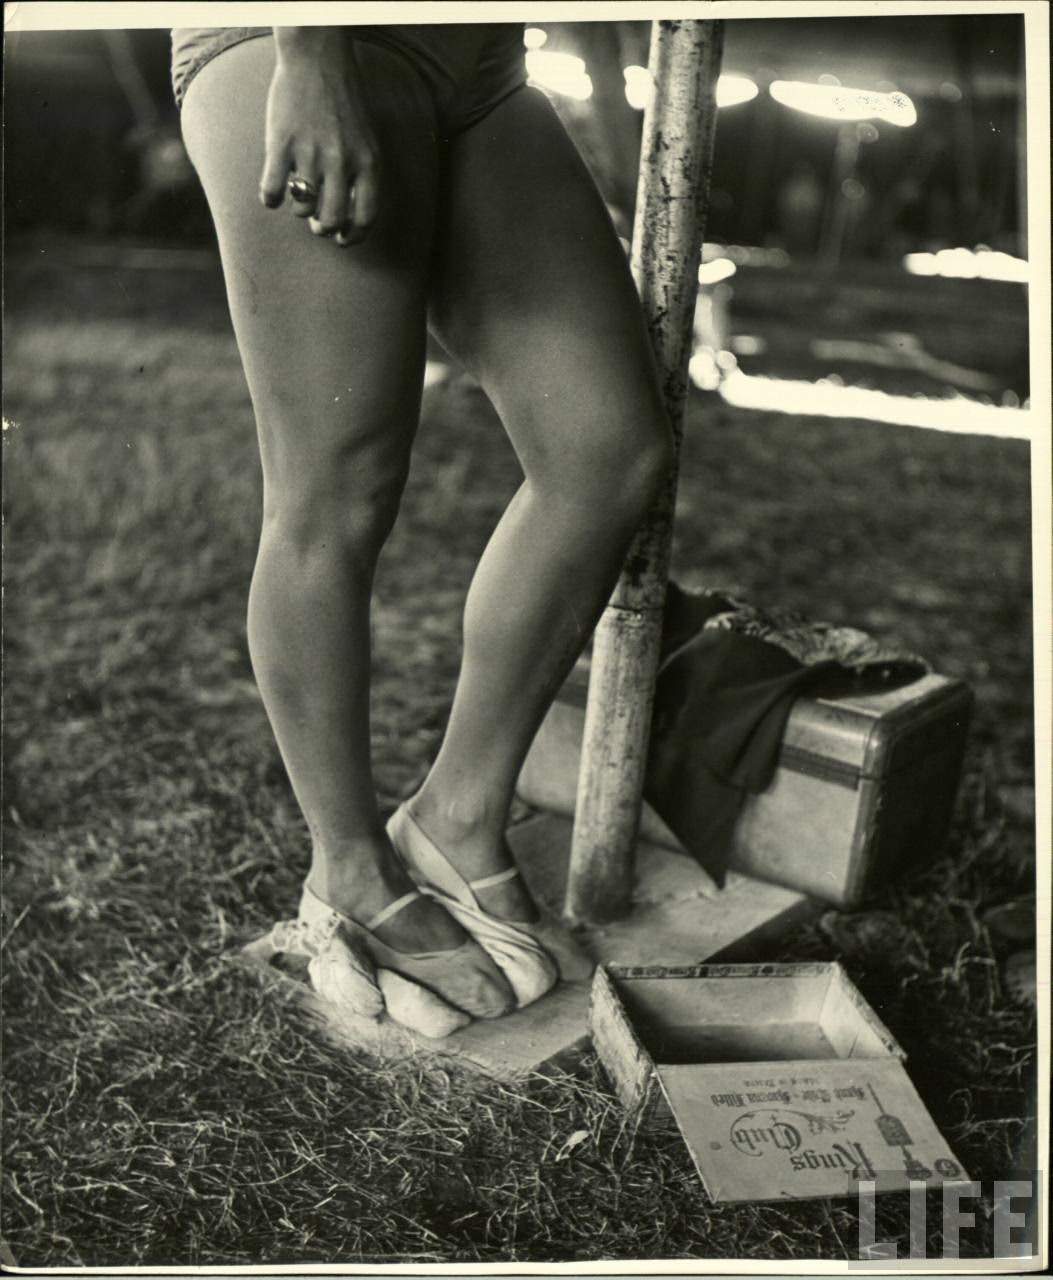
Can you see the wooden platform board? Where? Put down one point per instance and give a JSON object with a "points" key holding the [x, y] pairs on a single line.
{"points": [[679, 917]]}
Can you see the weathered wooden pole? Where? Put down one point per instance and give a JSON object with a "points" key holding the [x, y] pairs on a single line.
{"points": [[676, 159]]}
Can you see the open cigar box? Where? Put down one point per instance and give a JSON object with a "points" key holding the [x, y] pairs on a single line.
{"points": [[780, 1077]]}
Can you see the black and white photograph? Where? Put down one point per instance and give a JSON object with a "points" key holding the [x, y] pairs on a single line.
{"points": [[526, 642]]}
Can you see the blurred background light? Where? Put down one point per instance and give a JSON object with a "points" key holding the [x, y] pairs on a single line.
{"points": [[558, 73], [968, 264], [715, 270], [534, 37], [837, 103], [746, 255], [639, 87], [731, 90], [828, 398]]}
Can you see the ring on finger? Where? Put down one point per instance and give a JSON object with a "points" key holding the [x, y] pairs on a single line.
{"points": [[301, 190]]}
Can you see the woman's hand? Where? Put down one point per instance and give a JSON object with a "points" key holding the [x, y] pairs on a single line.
{"points": [[317, 129]]}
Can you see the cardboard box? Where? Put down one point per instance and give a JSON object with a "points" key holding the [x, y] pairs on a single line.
{"points": [[864, 784], [780, 1077]]}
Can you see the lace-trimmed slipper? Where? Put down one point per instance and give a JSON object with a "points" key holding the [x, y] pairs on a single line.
{"points": [[343, 974], [338, 972], [529, 968], [461, 976]]}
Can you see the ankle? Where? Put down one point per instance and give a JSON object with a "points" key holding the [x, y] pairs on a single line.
{"points": [[472, 839], [459, 816], [357, 878]]}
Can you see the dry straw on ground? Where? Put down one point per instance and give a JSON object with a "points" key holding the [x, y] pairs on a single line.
{"points": [[162, 1105]]}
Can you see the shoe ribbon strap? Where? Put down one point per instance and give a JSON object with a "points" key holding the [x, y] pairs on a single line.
{"points": [[499, 877], [392, 909]]}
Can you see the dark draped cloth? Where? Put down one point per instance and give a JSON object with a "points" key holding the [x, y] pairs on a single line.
{"points": [[729, 675]]}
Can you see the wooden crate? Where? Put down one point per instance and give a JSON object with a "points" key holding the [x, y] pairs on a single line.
{"points": [[781, 1079]]}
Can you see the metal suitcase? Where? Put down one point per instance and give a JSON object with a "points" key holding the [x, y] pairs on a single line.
{"points": [[865, 784]]}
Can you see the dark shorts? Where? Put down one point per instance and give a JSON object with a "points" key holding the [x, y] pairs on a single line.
{"points": [[468, 67]]}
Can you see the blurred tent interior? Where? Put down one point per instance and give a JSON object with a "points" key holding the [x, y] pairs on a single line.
{"points": [[953, 178], [856, 159], [92, 135]]}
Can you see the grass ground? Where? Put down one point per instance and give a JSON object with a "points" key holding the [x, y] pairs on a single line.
{"points": [[162, 1106]]}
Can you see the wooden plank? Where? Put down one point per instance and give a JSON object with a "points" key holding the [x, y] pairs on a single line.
{"points": [[686, 922]]}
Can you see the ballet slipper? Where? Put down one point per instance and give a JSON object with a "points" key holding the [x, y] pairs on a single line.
{"points": [[339, 973], [418, 1008], [572, 960], [552, 936], [463, 976], [343, 974], [530, 970]]}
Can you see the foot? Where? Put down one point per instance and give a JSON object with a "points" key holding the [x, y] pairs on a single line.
{"points": [[475, 855], [421, 941], [363, 881], [476, 852]]}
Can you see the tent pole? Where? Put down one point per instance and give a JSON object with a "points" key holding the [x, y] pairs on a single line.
{"points": [[673, 190]]}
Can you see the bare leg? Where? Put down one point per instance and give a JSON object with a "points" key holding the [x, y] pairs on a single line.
{"points": [[333, 347], [534, 295]]}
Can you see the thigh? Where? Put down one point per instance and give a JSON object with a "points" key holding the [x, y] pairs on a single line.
{"points": [[332, 339], [532, 290]]}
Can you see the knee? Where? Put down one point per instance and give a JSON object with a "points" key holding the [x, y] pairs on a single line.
{"points": [[647, 471], [336, 508], [617, 470]]}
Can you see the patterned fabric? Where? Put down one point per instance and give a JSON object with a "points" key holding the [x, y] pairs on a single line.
{"points": [[807, 640], [341, 974], [811, 641]]}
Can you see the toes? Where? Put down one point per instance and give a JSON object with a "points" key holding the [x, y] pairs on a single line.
{"points": [[343, 979], [479, 987], [418, 1008], [529, 970], [465, 977]]}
